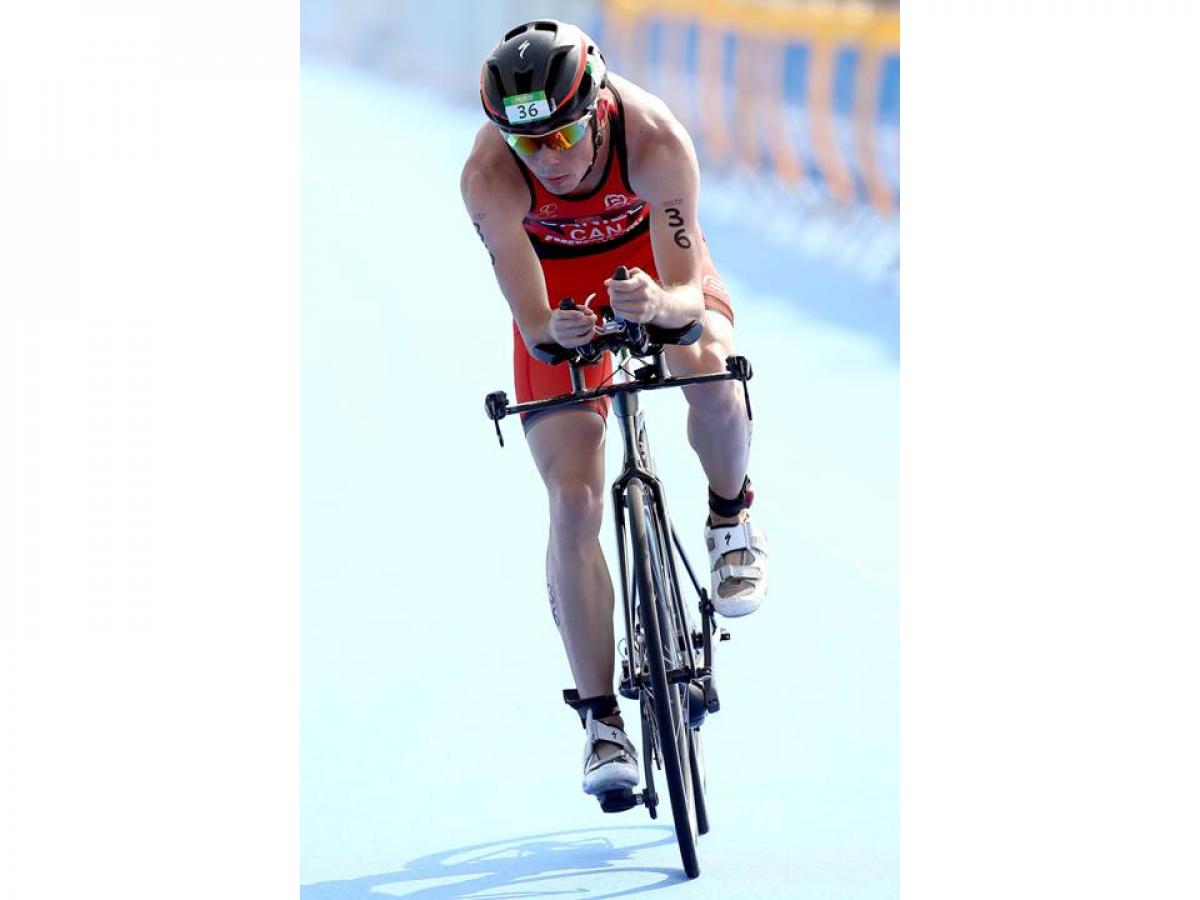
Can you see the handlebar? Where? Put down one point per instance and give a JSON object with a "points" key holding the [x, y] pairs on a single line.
{"points": [[641, 340], [652, 339], [737, 368], [616, 334]]}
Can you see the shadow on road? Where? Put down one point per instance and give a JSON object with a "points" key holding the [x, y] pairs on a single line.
{"points": [[594, 863]]}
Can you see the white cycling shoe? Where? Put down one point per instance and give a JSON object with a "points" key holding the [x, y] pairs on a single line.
{"points": [[610, 772], [738, 589]]}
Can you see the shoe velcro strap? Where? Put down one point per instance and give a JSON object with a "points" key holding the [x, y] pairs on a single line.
{"points": [[727, 538], [748, 573], [602, 731]]}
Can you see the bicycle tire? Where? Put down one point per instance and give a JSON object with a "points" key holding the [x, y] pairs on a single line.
{"points": [[696, 765], [669, 715], [674, 620], [649, 795]]}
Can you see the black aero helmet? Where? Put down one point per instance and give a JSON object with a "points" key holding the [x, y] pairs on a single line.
{"points": [[541, 76]]}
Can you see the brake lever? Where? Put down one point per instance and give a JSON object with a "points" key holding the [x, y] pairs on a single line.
{"points": [[739, 368], [496, 404]]}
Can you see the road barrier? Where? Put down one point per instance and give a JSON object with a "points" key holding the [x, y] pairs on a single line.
{"points": [[809, 93]]}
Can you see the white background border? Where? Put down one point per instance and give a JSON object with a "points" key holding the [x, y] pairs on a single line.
{"points": [[1049, 451], [149, 433]]}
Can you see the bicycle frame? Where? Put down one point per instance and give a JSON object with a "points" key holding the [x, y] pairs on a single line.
{"points": [[624, 395], [660, 668], [637, 465]]}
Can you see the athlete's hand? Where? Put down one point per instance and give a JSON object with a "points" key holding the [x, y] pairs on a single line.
{"points": [[637, 298], [572, 327]]}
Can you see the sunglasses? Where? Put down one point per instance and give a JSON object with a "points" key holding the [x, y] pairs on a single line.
{"points": [[563, 139]]}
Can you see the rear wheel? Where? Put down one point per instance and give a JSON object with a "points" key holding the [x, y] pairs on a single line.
{"points": [[668, 700]]}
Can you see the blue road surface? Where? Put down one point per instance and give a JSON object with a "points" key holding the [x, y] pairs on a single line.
{"points": [[437, 757]]}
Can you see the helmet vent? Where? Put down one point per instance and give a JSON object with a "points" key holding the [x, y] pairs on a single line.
{"points": [[556, 63], [523, 79], [497, 79], [546, 26]]}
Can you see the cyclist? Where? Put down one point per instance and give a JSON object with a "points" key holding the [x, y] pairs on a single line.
{"points": [[576, 172]]}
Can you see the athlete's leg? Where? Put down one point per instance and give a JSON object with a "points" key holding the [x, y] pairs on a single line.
{"points": [[568, 448], [719, 432], [718, 428]]}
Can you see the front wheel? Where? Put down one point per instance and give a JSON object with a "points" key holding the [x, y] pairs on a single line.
{"points": [[696, 757], [670, 709]]}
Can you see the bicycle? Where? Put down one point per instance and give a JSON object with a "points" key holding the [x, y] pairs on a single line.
{"points": [[660, 665]]}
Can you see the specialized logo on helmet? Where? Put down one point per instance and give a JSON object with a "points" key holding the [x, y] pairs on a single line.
{"points": [[523, 48], [612, 201]]}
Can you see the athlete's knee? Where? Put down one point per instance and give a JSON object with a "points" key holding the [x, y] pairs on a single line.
{"points": [[704, 357], [576, 508], [719, 400], [712, 354]]}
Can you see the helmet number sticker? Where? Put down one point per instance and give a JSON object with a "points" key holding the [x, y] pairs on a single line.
{"points": [[527, 107]]}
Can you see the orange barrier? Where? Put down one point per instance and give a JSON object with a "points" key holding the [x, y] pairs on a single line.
{"points": [[805, 91]]}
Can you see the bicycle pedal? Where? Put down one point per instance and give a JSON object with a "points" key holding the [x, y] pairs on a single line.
{"points": [[617, 801]]}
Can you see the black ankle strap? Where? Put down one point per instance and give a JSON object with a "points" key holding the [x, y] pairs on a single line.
{"points": [[601, 706], [729, 508]]}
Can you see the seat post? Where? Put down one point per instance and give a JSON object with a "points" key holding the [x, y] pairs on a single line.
{"points": [[577, 382]]}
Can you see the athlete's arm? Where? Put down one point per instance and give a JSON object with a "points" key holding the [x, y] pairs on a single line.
{"points": [[497, 199], [664, 171]]}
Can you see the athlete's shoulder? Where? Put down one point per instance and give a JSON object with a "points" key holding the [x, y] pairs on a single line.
{"points": [[650, 126], [491, 177], [658, 146]]}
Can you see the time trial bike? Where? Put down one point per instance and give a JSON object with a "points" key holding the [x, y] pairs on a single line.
{"points": [[667, 664]]}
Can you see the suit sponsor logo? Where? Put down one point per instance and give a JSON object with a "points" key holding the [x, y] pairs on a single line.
{"points": [[583, 230], [594, 231]]}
